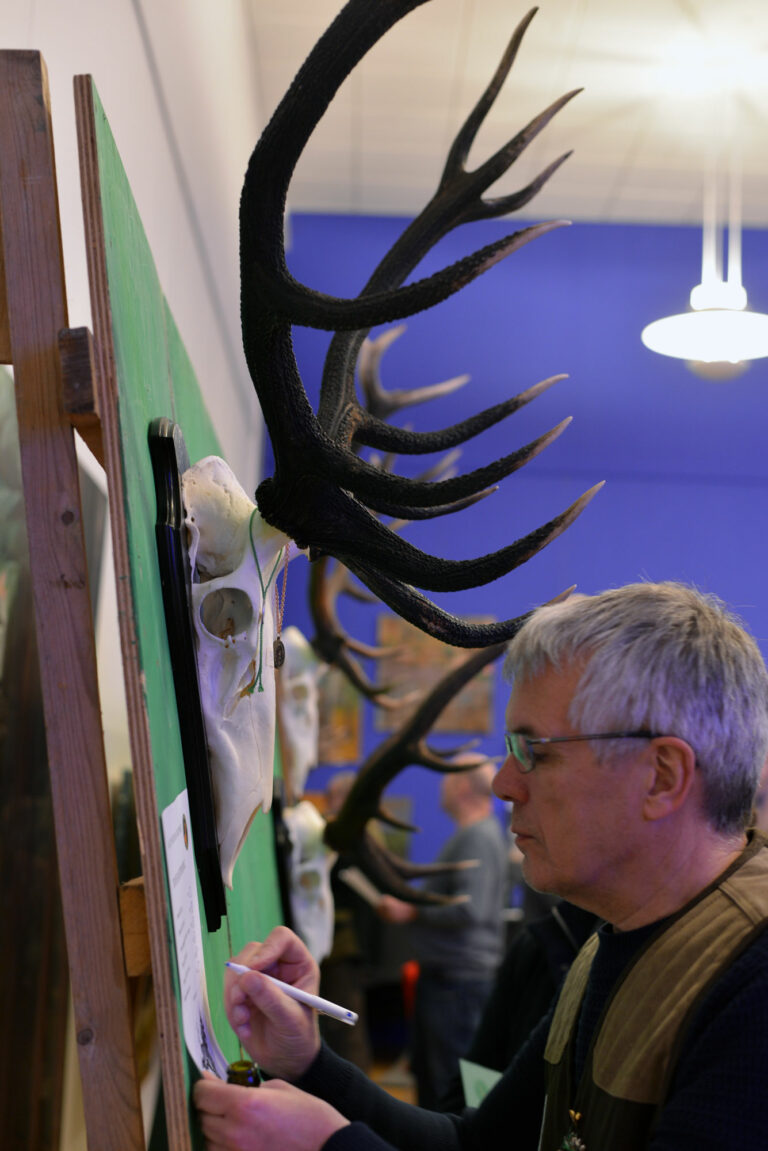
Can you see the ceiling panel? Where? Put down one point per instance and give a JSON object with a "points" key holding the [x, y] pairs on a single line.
{"points": [[662, 82]]}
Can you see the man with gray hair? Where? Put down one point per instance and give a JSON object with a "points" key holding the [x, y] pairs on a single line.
{"points": [[637, 729]]}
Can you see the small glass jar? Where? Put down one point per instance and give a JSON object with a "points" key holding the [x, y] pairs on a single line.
{"points": [[244, 1072]]}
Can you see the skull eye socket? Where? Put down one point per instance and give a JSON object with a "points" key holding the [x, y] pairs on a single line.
{"points": [[309, 881], [226, 612]]}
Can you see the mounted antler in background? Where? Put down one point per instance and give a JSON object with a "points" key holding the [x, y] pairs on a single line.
{"points": [[323, 495], [327, 581], [328, 578], [406, 747]]}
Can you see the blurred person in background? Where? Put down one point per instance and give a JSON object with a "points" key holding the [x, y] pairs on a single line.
{"points": [[458, 946]]}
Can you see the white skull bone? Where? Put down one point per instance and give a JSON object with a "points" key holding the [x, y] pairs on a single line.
{"points": [[311, 862], [298, 703], [234, 556]]}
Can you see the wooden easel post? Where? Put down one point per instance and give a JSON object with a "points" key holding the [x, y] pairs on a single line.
{"points": [[36, 313]]}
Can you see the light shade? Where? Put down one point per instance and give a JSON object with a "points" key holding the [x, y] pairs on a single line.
{"points": [[719, 332], [713, 335]]}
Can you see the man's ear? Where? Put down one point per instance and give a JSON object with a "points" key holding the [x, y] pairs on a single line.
{"points": [[673, 775]]}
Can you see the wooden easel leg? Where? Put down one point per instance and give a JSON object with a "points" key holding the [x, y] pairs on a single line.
{"points": [[34, 988], [36, 303], [5, 335]]}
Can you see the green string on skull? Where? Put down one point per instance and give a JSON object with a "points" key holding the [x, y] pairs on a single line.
{"points": [[257, 684]]}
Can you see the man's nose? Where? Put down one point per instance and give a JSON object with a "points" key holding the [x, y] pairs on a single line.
{"points": [[510, 783]]}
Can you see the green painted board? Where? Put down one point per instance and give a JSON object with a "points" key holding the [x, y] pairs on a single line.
{"points": [[155, 378]]}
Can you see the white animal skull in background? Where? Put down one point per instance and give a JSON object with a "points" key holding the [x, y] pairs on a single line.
{"points": [[298, 703], [234, 556], [311, 862]]}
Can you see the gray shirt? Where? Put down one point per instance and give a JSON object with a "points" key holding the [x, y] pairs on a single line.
{"points": [[466, 940]]}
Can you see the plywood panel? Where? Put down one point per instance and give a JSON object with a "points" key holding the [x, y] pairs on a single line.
{"points": [[143, 373]]}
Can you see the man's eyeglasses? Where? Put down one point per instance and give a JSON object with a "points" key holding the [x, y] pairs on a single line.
{"points": [[521, 746]]}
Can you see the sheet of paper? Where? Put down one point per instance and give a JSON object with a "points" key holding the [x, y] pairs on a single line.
{"points": [[477, 1081], [185, 910]]}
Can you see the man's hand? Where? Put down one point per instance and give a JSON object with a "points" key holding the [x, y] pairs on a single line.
{"points": [[263, 1118], [282, 1036], [393, 910]]}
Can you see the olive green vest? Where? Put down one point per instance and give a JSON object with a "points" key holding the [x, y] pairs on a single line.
{"points": [[633, 1053]]}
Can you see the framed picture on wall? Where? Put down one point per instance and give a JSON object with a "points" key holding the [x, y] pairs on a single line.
{"points": [[417, 661], [341, 725]]}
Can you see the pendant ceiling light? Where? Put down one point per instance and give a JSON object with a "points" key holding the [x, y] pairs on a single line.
{"points": [[718, 336]]}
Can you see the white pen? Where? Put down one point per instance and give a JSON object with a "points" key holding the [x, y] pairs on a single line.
{"points": [[324, 1006]]}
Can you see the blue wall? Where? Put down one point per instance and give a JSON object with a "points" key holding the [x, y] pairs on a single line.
{"points": [[685, 460]]}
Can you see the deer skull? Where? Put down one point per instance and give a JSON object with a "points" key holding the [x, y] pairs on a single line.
{"points": [[298, 704], [311, 863], [234, 557]]}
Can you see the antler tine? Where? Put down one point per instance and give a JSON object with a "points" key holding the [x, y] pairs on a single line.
{"points": [[382, 403], [458, 199], [384, 437], [449, 763], [292, 303], [327, 580], [383, 764], [354, 531], [415, 870], [414, 607], [495, 166], [408, 515], [346, 833], [459, 575], [304, 515], [340, 582], [465, 137], [387, 871], [495, 206], [443, 469], [384, 815], [332, 643], [458, 487], [377, 694]]}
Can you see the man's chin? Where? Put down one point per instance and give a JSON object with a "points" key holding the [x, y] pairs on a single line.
{"points": [[536, 878]]}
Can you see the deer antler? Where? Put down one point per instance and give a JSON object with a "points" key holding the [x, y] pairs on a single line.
{"points": [[323, 494], [406, 747], [378, 401], [328, 579], [331, 642]]}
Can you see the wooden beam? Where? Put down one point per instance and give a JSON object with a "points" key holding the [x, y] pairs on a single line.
{"points": [[5, 335], [78, 374], [133, 916], [36, 299], [34, 985]]}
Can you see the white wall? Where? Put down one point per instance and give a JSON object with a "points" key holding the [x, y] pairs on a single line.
{"points": [[177, 82]]}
